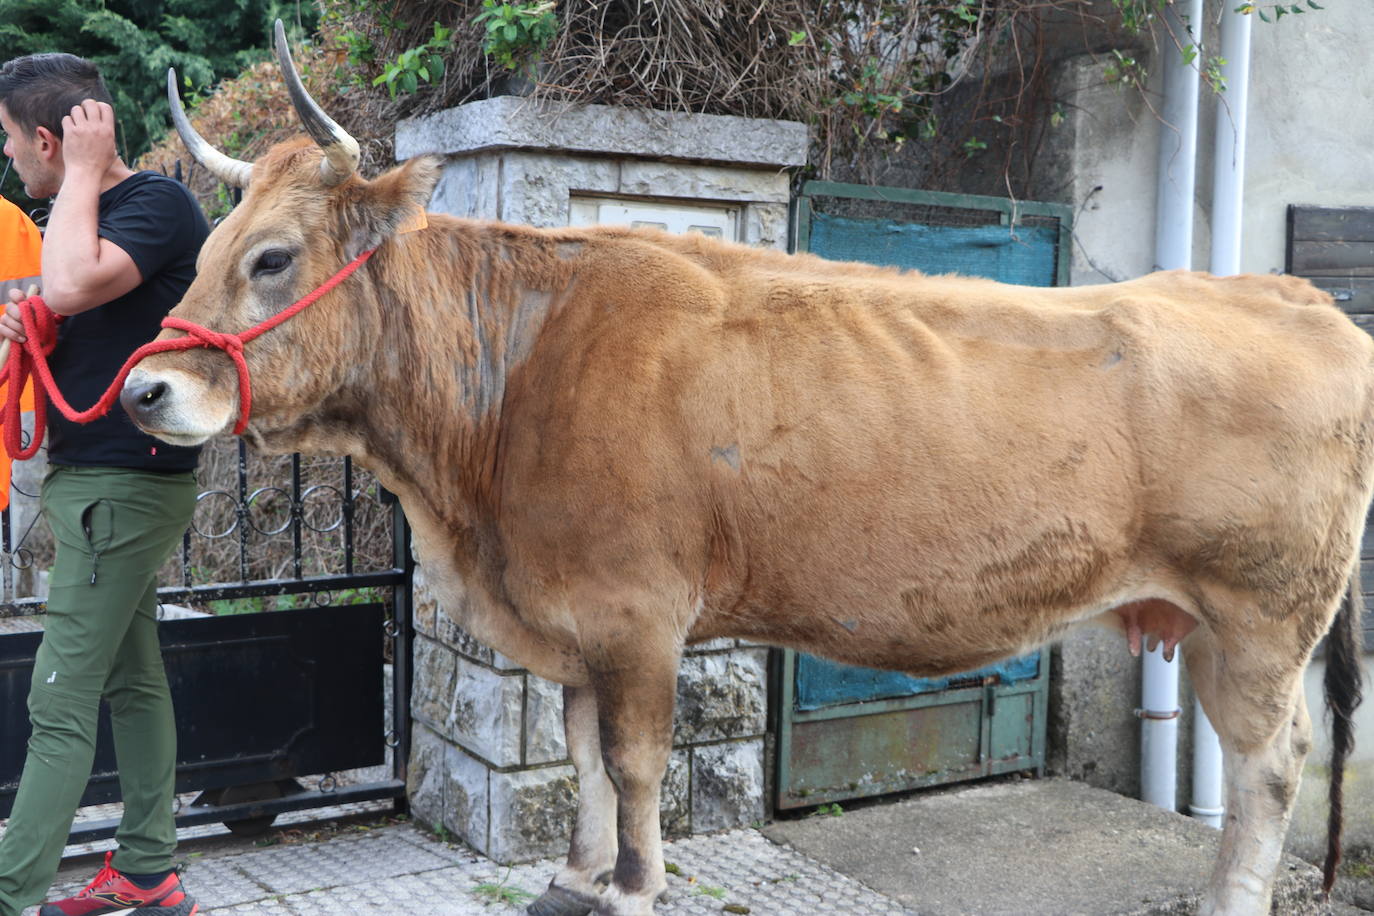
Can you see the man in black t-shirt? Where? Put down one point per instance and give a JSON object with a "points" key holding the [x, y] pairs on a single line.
{"points": [[119, 252]]}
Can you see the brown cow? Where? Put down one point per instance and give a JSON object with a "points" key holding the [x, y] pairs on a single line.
{"points": [[622, 442]]}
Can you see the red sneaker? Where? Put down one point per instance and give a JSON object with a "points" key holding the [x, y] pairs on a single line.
{"points": [[112, 894]]}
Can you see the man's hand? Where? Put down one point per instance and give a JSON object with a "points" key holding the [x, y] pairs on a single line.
{"points": [[81, 270], [88, 137], [11, 325]]}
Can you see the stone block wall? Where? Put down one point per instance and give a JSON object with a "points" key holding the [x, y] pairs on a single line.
{"points": [[489, 764], [512, 159], [488, 761]]}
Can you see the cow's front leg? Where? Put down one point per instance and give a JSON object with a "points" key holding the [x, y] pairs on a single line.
{"points": [[575, 889], [635, 709]]}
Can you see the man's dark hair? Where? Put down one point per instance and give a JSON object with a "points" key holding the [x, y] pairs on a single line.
{"points": [[41, 89]]}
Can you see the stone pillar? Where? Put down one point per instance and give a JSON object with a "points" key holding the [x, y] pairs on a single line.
{"points": [[488, 761]]}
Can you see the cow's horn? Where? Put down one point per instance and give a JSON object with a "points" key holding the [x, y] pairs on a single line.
{"points": [[233, 172], [340, 150]]}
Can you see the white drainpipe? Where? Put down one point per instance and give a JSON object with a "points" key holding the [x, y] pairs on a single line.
{"points": [[1177, 176], [1208, 804], [1228, 185], [1228, 171], [1173, 249], [1159, 730]]}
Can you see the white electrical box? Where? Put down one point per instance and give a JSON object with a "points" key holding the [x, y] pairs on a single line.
{"points": [[716, 221]]}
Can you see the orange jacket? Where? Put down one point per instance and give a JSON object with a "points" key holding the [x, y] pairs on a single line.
{"points": [[21, 248]]}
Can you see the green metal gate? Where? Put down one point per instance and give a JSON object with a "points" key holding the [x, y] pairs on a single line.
{"points": [[846, 732]]}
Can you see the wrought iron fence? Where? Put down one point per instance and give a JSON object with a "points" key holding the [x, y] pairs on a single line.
{"points": [[268, 534]]}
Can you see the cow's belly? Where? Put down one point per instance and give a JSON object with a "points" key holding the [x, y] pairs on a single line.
{"points": [[910, 605]]}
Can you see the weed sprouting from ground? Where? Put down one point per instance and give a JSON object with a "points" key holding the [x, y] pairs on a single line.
{"points": [[502, 892]]}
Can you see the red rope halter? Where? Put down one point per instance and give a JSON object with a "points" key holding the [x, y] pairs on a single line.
{"points": [[30, 360]]}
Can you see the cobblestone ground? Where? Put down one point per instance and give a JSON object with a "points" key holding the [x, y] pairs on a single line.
{"points": [[399, 868]]}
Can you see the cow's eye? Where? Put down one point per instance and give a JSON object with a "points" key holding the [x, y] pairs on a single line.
{"points": [[271, 261]]}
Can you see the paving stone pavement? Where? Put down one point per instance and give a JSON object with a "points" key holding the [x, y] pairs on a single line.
{"points": [[399, 868]]}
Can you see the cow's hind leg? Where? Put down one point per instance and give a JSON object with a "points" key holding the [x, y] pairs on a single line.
{"points": [[591, 856], [1260, 715]]}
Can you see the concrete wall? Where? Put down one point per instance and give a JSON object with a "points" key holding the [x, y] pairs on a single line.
{"points": [[1311, 93], [1311, 122], [1309, 135]]}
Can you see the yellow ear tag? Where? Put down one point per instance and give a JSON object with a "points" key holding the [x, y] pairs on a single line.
{"points": [[415, 223]]}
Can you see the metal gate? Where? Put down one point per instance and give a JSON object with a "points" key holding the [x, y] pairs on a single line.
{"points": [[287, 646], [847, 732]]}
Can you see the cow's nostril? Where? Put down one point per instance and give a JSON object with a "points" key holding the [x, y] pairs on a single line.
{"points": [[142, 398]]}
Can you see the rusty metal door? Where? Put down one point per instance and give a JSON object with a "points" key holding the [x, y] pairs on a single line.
{"points": [[846, 732]]}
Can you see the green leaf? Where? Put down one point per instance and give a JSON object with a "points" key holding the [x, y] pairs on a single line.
{"points": [[1314, 5], [796, 38], [1263, 18]]}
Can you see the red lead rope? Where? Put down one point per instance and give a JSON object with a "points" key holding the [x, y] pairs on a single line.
{"points": [[30, 359]]}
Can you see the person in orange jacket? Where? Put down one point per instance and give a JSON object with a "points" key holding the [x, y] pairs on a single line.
{"points": [[21, 246]]}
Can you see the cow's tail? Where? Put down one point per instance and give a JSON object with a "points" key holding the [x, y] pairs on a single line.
{"points": [[1344, 684]]}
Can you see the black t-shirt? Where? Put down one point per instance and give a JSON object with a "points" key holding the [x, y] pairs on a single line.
{"points": [[157, 222]]}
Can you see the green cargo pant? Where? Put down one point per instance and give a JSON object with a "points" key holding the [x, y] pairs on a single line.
{"points": [[113, 528]]}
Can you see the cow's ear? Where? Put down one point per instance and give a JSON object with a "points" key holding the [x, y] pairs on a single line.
{"points": [[394, 201]]}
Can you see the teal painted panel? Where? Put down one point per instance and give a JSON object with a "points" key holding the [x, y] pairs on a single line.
{"points": [[903, 749], [821, 683], [1011, 736], [1024, 255]]}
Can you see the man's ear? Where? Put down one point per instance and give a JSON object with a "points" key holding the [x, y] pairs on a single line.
{"points": [[48, 143], [393, 201]]}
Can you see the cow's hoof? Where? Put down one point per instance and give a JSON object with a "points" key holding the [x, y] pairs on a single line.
{"points": [[558, 901]]}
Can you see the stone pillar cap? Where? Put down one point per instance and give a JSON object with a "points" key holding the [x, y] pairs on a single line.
{"points": [[514, 122]]}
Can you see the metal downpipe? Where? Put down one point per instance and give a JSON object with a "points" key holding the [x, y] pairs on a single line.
{"points": [[1228, 193], [1176, 185]]}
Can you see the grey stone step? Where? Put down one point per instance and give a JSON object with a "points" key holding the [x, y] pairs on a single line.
{"points": [[1030, 848]]}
